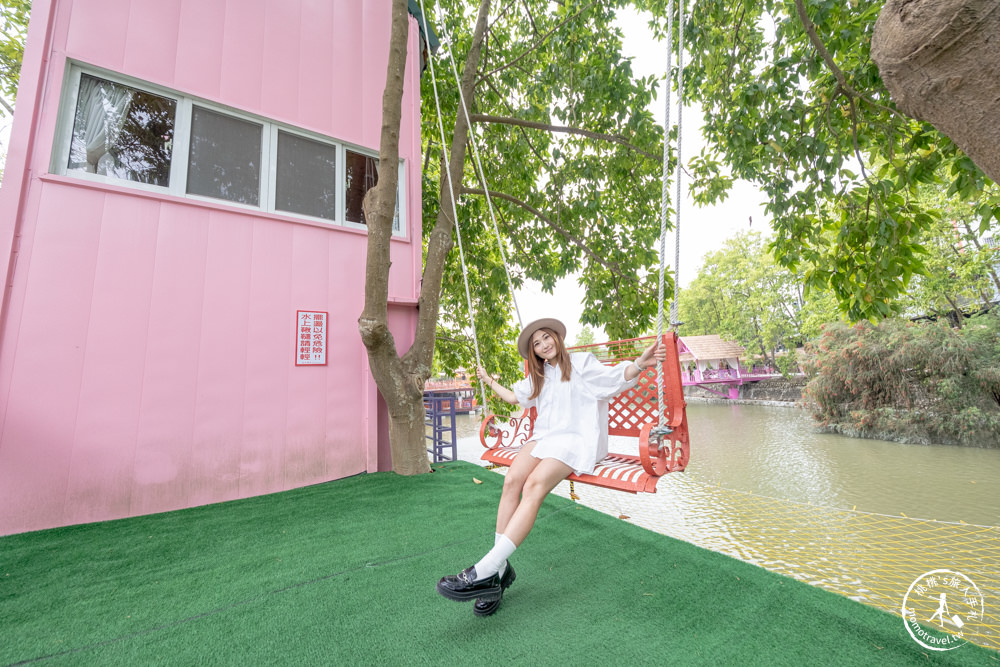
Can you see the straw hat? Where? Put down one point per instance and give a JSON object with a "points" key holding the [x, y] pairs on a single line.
{"points": [[524, 340]]}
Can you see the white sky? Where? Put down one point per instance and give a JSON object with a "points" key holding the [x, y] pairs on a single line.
{"points": [[703, 230]]}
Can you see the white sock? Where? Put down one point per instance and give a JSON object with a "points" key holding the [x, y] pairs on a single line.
{"points": [[496, 541], [495, 559]]}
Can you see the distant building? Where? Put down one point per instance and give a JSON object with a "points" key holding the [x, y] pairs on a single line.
{"points": [[709, 358]]}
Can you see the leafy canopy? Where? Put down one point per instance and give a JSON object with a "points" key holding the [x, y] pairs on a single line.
{"points": [[742, 294], [924, 383], [819, 135], [584, 200]]}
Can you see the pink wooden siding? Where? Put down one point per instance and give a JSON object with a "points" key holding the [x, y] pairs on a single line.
{"points": [[147, 341]]}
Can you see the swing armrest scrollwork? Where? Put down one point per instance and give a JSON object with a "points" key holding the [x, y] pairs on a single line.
{"points": [[660, 454], [507, 432]]}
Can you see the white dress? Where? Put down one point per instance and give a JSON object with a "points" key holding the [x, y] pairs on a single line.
{"points": [[572, 421]]}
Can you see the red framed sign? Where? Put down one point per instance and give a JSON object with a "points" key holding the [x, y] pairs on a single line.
{"points": [[310, 335]]}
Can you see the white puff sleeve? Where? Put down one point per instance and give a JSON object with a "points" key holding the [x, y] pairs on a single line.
{"points": [[522, 390], [602, 382]]}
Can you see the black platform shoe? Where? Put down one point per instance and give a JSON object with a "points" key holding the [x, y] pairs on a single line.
{"points": [[463, 586], [487, 606]]}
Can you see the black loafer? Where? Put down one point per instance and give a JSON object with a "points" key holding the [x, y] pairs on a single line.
{"points": [[463, 586], [489, 606]]}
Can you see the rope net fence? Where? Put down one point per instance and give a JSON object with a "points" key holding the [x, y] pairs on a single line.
{"points": [[870, 558]]}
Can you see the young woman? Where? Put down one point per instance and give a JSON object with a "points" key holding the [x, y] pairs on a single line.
{"points": [[570, 393]]}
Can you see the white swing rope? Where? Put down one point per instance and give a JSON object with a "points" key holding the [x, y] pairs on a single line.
{"points": [[482, 179], [664, 214], [665, 195], [454, 210]]}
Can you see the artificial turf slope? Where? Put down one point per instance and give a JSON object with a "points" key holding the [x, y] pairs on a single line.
{"points": [[344, 573]]}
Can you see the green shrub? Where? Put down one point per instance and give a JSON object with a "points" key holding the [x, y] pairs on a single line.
{"points": [[911, 382]]}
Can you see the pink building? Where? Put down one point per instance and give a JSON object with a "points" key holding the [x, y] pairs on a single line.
{"points": [[183, 178]]}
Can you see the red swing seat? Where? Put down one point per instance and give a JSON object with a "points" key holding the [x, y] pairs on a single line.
{"points": [[632, 413]]}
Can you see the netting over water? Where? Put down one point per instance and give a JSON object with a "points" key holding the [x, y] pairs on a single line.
{"points": [[871, 558]]}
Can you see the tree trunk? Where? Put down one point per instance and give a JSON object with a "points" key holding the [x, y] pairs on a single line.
{"points": [[401, 391], [955, 315], [940, 60], [400, 380]]}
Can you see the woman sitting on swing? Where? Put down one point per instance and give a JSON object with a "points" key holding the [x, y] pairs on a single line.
{"points": [[570, 393]]}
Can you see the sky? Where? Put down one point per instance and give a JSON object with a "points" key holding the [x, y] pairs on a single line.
{"points": [[702, 230]]}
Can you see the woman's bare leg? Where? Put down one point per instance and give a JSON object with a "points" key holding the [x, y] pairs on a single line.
{"points": [[546, 474], [513, 484]]}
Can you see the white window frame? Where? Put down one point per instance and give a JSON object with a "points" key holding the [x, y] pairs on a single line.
{"points": [[273, 173], [180, 189], [181, 147]]}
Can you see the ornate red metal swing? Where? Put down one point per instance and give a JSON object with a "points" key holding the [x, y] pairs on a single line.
{"points": [[633, 413]]}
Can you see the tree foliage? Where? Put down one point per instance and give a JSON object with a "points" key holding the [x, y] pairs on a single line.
{"points": [[585, 337], [13, 31], [923, 383], [960, 276], [572, 159], [794, 104], [742, 294]]}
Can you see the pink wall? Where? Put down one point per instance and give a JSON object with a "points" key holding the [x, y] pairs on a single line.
{"points": [[147, 341]]}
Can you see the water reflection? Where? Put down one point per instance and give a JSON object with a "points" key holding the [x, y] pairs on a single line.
{"points": [[122, 132], [776, 452]]}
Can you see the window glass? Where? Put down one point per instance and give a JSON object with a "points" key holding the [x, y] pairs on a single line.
{"points": [[225, 157], [307, 177], [122, 132], [397, 224], [360, 177]]}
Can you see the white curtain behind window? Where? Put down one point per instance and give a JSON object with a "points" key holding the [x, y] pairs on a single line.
{"points": [[100, 115]]}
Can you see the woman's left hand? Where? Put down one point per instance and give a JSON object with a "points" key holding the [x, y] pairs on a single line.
{"points": [[653, 354]]}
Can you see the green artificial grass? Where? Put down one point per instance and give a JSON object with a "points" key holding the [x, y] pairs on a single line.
{"points": [[344, 573]]}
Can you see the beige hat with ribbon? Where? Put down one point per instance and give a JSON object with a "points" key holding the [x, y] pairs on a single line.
{"points": [[524, 340]]}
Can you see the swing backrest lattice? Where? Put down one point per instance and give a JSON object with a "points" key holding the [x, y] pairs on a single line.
{"points": [[631, 410]]}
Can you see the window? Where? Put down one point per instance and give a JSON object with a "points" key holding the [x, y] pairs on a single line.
{"points": [[121, 132], [116, 130], [362, 176], [224, 158], [307, 177]]}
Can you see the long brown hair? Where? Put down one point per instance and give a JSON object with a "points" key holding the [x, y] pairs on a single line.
{"points": [[536, 365]]}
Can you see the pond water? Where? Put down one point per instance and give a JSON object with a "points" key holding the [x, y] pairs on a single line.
{"points": [[777, 452]]}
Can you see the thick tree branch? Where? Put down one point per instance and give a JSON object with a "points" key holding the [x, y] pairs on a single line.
{"points": [[378, 206], [520, 129], [610, 266], [613, 138], [838, 73]]}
